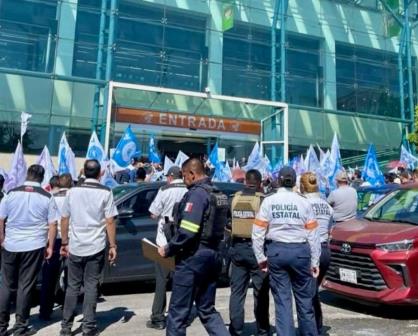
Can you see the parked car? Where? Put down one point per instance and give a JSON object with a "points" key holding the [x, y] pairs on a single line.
{"points": [[375, 258], [368, 196], [134, 223]]}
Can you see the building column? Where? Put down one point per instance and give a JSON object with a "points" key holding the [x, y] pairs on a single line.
{"points": [[214, 37], [330, 72], [67, 19]]}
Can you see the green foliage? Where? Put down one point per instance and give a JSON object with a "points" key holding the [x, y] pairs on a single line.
{"points": [[413, 137]]}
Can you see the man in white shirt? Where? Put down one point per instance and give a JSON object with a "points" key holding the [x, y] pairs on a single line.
{"points": [[51, 270], [32, 216], [92, 210], [162, 208]]}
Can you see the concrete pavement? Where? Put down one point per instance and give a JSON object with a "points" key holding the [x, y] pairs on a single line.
{"points": [[125, 312]]}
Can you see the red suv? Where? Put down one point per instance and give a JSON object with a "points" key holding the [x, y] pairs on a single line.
{"points": [[375, 258]]}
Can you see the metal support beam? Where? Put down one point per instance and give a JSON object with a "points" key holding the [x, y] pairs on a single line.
{"points": [[277, 5], [400, 75], [283, 19], [409, 61], [99, 64], [109, 62]]}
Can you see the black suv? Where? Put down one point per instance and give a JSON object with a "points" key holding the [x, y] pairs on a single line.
{"points": [[134, 223]]}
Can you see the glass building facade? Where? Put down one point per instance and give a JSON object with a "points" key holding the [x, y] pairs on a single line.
{"points": [[341, 67]]}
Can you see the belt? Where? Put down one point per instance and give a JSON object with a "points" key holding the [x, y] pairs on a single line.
{"points": [[268, 241], [324, 243], [241, 240]]}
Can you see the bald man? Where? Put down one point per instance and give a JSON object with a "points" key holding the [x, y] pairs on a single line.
{"points": [[200, 217]]}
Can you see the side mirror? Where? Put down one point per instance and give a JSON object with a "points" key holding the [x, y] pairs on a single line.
{"points": [[125, 213]]}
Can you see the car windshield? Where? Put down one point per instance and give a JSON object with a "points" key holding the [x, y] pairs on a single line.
{"points": [[122, 190], [400, 206]]}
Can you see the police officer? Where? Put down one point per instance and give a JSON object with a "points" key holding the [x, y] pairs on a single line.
{"points": [[324, 215], [32, 216], [287, 226], [244, 267], [51, 270], [91, 209], [162, 208], [201, 219]]}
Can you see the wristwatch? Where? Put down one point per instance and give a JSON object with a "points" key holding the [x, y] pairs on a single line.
{"points": [[113, 247]]}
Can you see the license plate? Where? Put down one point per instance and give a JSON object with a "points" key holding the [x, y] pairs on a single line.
{"points": [[348, 275]]}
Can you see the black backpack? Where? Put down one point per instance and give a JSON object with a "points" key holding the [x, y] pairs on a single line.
{"points": [[216, 216]]}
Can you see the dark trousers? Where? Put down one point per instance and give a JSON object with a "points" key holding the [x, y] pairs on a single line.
{"points": [[194, 280], [84, 271], [19, 274], [245, 267], [50, 276], [290, 269], [162, 277], [323, 267]]}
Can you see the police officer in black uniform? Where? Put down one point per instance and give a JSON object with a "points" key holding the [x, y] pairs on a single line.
{"points": [[201, 219], [244, 267]]}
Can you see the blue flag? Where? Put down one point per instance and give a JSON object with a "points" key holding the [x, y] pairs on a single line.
{"points": [[371, 172], [213, 156], [153, 152], [222, 173], [408, 158], [126, 149], [95, 150]]}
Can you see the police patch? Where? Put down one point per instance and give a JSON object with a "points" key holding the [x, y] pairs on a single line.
{"points": [[188, 207]]}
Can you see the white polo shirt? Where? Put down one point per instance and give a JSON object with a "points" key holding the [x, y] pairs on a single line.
{"points": [[163, 205], [59, 199], [88, 205], [29, 211]]}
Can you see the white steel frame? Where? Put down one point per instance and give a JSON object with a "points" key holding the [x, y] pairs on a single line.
{"points": [[283, 106]]}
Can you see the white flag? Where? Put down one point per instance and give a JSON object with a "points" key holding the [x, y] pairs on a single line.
{"points": [[180, 159], [45, 161], [66, 158], [17, 174], [167, 164], [107, 178], [24, 120]]}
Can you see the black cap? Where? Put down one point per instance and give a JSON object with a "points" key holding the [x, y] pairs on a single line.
{"points": [[174, 171], [287, 177]]}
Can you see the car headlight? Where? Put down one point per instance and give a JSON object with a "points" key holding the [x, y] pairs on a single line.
{"points": [[403, 245]]}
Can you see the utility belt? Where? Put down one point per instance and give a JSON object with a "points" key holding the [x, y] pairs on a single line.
{"points": [[237, 240]]}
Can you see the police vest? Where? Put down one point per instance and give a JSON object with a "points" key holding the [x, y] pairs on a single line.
{"points": [[215, 217], [244, 210]]}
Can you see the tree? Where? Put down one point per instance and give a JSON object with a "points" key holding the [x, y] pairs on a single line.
{"points": [[413, 137]]}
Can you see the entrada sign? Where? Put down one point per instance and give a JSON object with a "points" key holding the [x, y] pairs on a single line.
{"points": [[189, 121]]}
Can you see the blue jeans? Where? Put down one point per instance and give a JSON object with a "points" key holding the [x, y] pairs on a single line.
{"points": [[290, 270]]}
